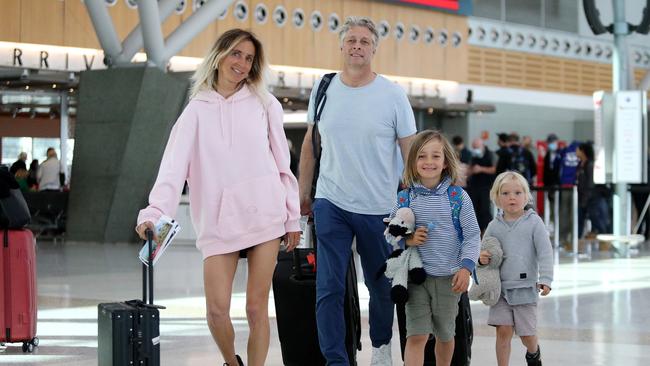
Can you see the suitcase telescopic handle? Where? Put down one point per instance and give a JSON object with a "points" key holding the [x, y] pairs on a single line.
{"points": [[147, 270]]}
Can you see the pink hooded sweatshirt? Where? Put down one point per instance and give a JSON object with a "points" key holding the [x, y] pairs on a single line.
{"points": [[234, 155]]}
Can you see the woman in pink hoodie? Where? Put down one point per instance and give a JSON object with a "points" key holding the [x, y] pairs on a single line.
{"points": [[230, 147]]}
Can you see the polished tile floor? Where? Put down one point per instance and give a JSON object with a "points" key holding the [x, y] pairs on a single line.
{"points": [[597, 314]]}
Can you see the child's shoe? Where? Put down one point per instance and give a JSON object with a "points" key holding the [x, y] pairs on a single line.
{"points": [[534, 359]]}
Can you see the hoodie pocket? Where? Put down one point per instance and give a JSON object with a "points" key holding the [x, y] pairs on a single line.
{"points": [[250, 206]]}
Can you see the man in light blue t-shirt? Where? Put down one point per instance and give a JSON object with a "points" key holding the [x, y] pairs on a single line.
{"points": [[365, 124]]}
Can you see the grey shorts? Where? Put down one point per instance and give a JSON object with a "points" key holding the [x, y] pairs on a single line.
{"points": [[522, 317], [432, 308]]}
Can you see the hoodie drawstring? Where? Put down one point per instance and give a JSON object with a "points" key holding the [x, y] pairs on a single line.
{"points": [[232, 120]]}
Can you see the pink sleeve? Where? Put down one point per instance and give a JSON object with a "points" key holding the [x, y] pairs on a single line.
{"points": [[280, 150], [174, 167]]}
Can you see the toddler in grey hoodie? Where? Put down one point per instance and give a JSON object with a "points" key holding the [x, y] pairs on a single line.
{"points": [[526, 270]]}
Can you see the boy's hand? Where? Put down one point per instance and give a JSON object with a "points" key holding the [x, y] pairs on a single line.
{"points": [[484, 258], [544, 289], [418, 237], [460, 281]]}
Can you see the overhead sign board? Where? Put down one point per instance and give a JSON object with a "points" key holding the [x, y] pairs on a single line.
{"points": [[463, 7], [630, 137], [620, 137]]}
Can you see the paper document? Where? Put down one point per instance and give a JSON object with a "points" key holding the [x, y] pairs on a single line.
{"points": [[166, 228]]}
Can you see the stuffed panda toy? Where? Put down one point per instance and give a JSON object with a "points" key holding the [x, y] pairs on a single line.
{"points": [[403, 265]]}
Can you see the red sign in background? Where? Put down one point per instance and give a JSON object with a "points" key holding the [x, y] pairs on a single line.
{"points": [[443, 4]]}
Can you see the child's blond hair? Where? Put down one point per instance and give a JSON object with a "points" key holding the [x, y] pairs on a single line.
{"points": [[411, 175], [504, 177]]}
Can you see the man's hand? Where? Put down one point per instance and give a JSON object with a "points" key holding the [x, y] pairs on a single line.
{"points": [[460, 281], [544, 289], [418, 238], [305, 206], [291, 240]]}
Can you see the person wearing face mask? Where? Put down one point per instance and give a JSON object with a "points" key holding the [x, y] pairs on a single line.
{"points": [[551, 162], [483, 169]]}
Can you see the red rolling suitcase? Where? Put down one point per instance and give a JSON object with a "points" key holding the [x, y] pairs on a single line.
{"points": [[18, 281]]}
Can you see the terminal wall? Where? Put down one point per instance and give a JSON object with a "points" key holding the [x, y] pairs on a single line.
{"points": [[123, 122]]}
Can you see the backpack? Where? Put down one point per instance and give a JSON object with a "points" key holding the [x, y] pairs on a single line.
{"points": [[455, 195], [14, 212], [519, 163], [319, 104]]}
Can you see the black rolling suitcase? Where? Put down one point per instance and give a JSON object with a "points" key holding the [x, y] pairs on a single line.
{"points": [[463, 339], [294, 291], [129, 332]]}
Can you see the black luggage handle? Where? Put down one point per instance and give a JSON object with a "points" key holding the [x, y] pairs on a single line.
{"points": [[297, 260], [147, 272]]}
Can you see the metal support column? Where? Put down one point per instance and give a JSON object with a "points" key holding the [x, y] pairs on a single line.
{"points": [[152, 33], [574, 212], [64, 135], [134, 42], [556, 219], [620, 79], [193, 26], [104, 29]]}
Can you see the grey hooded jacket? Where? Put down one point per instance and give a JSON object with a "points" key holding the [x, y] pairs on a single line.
{"points": [[527, 256]]}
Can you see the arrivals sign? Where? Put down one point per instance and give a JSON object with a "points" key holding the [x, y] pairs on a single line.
{"points": [[46, 57]]}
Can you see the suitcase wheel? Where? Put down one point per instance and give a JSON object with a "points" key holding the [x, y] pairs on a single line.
{"points": [[35, 341]]}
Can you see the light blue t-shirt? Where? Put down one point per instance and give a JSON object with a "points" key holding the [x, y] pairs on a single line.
{"points": [[360, 160]]}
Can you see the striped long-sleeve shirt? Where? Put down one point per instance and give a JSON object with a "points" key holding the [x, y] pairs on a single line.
{"points": [[443, 254]]}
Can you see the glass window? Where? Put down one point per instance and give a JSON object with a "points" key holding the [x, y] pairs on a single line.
{"points": [[561, 15], [40, 146], [487, 9], [527, 12], [12, 146]]}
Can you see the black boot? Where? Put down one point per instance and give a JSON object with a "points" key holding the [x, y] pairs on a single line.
{"points": [[239, 362], [534, 359]]}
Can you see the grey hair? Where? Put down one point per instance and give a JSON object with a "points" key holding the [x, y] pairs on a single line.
{"points": [[353, 21]]}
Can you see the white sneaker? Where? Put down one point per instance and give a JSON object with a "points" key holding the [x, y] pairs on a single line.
{"points": [[382, 356]]}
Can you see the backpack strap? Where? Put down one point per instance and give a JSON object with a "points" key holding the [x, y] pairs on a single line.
{"points": [[455, 194], [403, 198], [319, 104]]}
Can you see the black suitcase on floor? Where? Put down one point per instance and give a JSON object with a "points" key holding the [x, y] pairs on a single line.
{"points": [[463, 339], [129, 332], [294, 291]]}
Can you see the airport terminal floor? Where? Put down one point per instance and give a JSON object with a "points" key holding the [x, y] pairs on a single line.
{"points": [[597, 313]]}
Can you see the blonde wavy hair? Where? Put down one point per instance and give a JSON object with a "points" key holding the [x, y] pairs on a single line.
{"points": [[205, 76], [509, 176], [411, 175]]}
